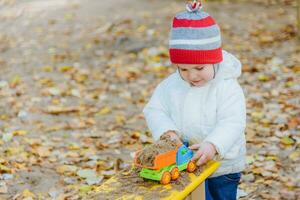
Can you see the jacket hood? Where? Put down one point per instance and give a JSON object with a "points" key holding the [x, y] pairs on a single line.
{"points": [[229, 68]]}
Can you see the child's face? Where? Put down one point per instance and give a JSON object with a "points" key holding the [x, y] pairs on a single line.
{"points": [[196, 74]]}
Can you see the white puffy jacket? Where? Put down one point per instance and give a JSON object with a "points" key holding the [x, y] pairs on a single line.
{"points": [[215, 112]]}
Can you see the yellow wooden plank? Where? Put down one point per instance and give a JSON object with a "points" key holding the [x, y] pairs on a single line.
{"points": [[196, 181], [167, 192]]}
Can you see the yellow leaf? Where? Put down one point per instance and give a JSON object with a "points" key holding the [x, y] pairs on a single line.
{"points": [[19, 166], [256, 116], [164, 51], [257, 170], [145, 93], [14, 150], [43, 151], [60, 109], [289, 84], [85, 188], [271, 158], [263, 77], [296, 68], [16, 80], [101, 165], [19, 132], [66, 68], [73, 147], [4, 117], [55, 101], [80, 78], [159, 68], [120, 118], [104, 111], [266, 39], [142, 28], [88, 46], [27, 193], [287, 140], [155, 58], [46, 82], [4, 169], [136, 135], [69, 16], [294, 156], [66, 169], [48, 69]]}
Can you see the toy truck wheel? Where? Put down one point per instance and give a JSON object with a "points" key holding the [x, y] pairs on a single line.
{"points": [[165, 178], [191, 166], [175, 173]]}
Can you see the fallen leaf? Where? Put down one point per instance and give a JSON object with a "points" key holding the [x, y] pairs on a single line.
{"points": [[66, 169], [294, 156], [80, 78], [20, 132], [104, 111], [287, 140], [16, 80], [263, 78], [47, 69], [255, 116], [66, 68], [43, 151], [60, 109], [27, 193], [85, 188], [85, 173]]}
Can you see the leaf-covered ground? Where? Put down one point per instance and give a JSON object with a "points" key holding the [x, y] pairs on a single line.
{"points": [[76, 74]]}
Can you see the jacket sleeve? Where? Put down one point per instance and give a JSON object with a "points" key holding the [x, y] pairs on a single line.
{"points": [[156, 114], [231, 117]]}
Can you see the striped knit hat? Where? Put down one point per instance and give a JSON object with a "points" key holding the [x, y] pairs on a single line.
{"points": [[195, 37]]}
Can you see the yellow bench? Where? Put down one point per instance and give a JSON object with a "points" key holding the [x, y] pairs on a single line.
{"points": [[194, 190]]}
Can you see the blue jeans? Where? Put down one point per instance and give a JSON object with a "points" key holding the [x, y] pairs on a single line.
{"points": [[222, 187]]}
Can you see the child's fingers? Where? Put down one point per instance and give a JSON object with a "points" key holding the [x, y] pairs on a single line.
{"points": [[197, 155], [195, 146], [202, 160]]}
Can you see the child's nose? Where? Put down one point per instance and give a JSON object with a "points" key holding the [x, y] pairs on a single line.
{"points": [[192, 76]]}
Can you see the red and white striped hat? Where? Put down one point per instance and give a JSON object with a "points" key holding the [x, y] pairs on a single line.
{"points": [[195, 37]]}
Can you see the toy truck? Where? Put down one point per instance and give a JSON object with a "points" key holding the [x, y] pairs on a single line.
{"points": [[167, 166]]}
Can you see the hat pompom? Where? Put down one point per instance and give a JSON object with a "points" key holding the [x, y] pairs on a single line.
{"points": [[193, 6]]}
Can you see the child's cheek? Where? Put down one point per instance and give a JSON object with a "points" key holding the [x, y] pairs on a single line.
{"points": [[185, 76], [209, 75]]}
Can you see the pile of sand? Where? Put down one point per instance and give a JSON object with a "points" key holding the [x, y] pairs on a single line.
{"points": [[147, 155], [129, 180]]}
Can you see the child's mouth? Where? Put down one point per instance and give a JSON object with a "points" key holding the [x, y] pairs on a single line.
{"points": [[196, 82]]}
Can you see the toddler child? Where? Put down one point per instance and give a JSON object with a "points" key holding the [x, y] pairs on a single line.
{"points": [[202, 101]]}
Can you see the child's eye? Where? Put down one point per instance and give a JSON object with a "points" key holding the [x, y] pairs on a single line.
{"points": [[183, 70], [200, 68]]}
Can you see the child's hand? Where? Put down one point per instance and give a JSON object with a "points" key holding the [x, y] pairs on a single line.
{"points": [[206, 152], [173, 136]]}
